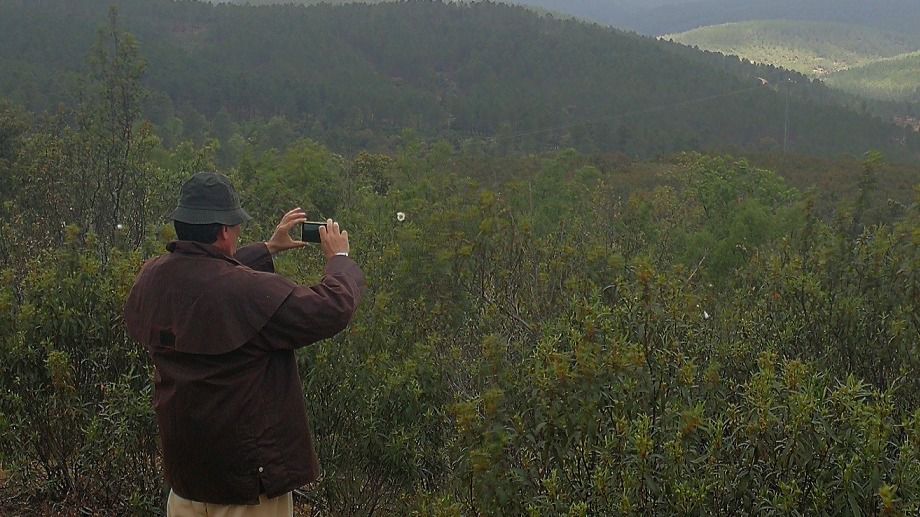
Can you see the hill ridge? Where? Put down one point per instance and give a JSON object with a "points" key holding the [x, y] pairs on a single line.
{"points": [[812, 48], [351, 75]]}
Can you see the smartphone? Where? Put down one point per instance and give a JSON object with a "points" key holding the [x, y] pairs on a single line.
{"points": [[309, 231]]}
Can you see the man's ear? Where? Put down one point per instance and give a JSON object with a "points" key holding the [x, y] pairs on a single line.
{"points": [[223, 234]]}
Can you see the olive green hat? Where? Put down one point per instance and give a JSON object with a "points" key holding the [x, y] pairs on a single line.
{"points": [[207, 198]]}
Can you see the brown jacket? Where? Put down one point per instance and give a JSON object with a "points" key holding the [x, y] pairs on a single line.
{"points": [[221, 333]]}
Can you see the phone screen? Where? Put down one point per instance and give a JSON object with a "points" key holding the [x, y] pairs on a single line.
{"points": [[309, 231]]}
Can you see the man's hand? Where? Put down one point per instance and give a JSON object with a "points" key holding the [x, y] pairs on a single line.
{"points": [[281, 240], [333, 240]]}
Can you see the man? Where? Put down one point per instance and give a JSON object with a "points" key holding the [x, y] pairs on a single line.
{"points": [[221, 329]]}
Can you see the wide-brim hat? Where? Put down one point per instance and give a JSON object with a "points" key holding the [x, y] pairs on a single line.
{"points": [[208, 198]]}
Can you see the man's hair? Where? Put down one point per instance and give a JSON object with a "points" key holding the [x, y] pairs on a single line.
{"points": [[203, 233]]}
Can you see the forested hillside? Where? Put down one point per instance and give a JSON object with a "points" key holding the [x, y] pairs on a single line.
{"points": [[668, 17], [816, 49], [863, 62], [893, 79], [355, 76]]}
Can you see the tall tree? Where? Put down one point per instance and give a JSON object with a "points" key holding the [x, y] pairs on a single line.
{"points": [[114, 140]]}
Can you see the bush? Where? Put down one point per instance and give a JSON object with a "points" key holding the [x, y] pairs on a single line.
{"points": [[78, 428], [704, 344]]}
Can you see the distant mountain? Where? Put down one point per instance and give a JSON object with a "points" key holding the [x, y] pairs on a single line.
{"points": [[861, 61], [617, 13], [584, 6], [815, 49], [891, 15], [479, 72], [680, 16], [295, 2], [892, 79]]}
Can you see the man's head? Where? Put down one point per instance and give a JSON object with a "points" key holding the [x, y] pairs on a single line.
{"points": [[209, 212]]}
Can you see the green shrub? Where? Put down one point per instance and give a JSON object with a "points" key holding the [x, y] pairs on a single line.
{"points": [[78, 427]]}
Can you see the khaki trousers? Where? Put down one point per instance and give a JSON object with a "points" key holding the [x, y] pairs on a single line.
{"points": [[281, 506]]}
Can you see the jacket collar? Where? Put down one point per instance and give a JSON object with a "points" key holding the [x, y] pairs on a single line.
{"points": [[198, 249]]}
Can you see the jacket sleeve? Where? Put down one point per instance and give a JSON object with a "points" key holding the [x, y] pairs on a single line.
{"points": [[314, 313], [256, 257]]}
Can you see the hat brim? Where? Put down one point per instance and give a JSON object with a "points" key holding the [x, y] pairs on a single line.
{"points": [[230, 217]]}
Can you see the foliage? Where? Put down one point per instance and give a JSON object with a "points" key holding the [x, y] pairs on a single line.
{"points": [[89, 166], [503, 364], [77, 425]]}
